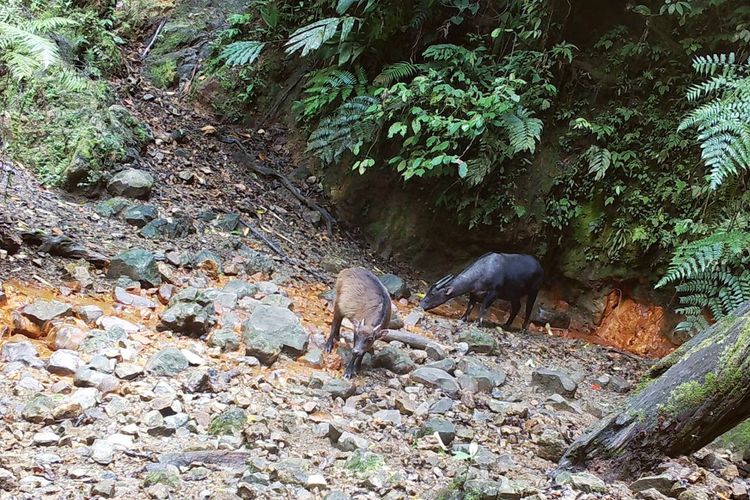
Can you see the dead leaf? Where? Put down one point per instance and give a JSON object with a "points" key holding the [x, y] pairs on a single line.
{"points": [[208, 130]]}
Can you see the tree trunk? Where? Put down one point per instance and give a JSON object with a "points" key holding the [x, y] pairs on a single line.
{"points": [[691, 397]]}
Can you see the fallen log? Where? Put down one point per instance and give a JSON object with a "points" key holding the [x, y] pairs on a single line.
{"points": [[691, 397], [64, 246]]}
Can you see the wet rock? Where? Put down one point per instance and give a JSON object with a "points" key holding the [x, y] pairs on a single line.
{"points": [[111, 207], [478, 340], [140, 215], [137, 264], [189, 318], [64, 362], [131, 183], [271, 330], [225, 339], [394, 359], [395, 286], [554, 381], [661, 483], [42, 311], [168, 361], [89, 314], [445, 429], [230, 422], [68, 337], [104, 488], [432, 377], [168, 229], [582, 481], [551, 445]]}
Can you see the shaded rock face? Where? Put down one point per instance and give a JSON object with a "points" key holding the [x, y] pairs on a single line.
{"points": [[136, 264]]}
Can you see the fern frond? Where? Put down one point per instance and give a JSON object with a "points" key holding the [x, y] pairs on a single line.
{"points": [[43, 50], [242, 53], [311, 37], [396, 72], [523, 130]]}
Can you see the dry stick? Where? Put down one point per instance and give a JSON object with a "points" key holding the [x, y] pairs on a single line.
{"points": [[267, 172], [153, 40]]}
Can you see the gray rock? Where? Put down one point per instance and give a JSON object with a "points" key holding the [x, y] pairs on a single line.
{"points": [[164, 229], [20, 351], [559, 403], [445, 364], [111, 207], [395, 286], [478, 340], [486, 490], [547, 315], [189, 318], [64, 362], [582, 481], [42, 311], [128, 371], [104, 488], [619, 384], [313, 358], [661, 483], [482, 378], [441, 406], [554, 381], [102, 452], [168, 361], [140, 215], [292, 471], [445, 429], [336, 495], [99, 340], [137, 264], [225, 339], [257, 262], [392, 417], [240, 288], [129, 299], [350, 442], [551, 445], [207, 258], [336, 388], [695, 493], [89, 314], [432, 377], [278, 300], [271, 330], [39, 409], [131, 183], [87, 377], [394, 359], [8, 481]]}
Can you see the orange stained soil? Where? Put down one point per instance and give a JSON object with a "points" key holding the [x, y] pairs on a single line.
{"points": [[627, 325]]}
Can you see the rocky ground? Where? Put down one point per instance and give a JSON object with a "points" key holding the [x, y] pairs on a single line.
{"points": [[190, 365]]}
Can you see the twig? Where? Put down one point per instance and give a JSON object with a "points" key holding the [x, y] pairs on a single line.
{"points": [[267, 172], [43, 281], [270, 244], [153, 40]]}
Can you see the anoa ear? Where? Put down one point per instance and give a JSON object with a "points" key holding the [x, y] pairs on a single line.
{"points": [[449, 291], [360, 325], [381, 333]]}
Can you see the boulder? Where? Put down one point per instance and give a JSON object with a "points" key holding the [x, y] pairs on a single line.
{"points": [[271, 330], [445, 429], [140, 215], [111, 207], [554, 381], [131, 183], [168, 361], [137, 264], [478, 340], [432, 377], [394, 359], [395, 286], [164, 229]]}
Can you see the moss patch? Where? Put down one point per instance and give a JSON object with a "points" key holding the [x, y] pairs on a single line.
{"points": [[163, 73]]}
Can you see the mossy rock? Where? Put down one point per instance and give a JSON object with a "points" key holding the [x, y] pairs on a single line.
{"points": [[229, 422]]}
